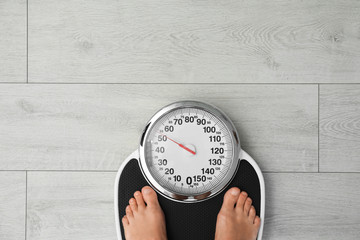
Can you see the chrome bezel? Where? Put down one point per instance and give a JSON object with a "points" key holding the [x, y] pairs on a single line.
{"points": [[235, 158]]}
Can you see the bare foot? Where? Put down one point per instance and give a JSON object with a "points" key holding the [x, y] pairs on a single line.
{"points": [[237, 222], [144, 219]]}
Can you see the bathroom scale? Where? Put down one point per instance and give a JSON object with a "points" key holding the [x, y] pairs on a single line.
{"points": [[190, 154]]}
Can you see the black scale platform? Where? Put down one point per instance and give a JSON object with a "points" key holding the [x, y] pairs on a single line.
{"points": [[186, 221]]}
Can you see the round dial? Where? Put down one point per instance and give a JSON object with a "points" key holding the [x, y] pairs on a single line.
{"points": [[189, 151]]}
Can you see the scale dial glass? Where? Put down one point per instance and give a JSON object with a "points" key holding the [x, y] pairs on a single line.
{"points": [[189, 152]]}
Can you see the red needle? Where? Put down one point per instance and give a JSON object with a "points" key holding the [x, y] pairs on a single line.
{"points": [[180, 145]]}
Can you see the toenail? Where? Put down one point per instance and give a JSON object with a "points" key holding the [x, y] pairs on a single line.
{"points": [[147, 190], [235, 192], [137, 193], [244, 193]]}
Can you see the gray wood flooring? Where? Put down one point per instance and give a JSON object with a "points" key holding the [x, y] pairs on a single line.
{"points": [[12, 205], [79, 79], [95, 127], [194, 41], [13, 41], [340, 128]]}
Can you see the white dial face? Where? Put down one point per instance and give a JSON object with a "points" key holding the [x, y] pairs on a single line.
{"points": [[189, 151]]}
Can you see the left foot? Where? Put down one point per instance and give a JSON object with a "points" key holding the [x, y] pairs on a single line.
{"points": [[144, 219]]}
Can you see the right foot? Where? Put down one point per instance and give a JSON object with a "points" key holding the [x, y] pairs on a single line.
{"points": [[144, 219], [237, 218]]}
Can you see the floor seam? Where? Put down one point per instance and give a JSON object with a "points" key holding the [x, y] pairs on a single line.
{"points": [[114, 171], [191, 83], [175, 83], [318, 127], [27, 41], [26, 193]]}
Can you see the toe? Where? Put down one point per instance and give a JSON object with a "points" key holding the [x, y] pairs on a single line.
{"points": [[241, 201], [257, 222], [252, 214], [125, 221], [139, 200], [247, 205], [150, 196], [129, 212], [230, 198], [133, 204]]}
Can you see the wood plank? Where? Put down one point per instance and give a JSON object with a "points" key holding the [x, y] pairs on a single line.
{"points": [[13, 41], [339, 128], [194, 41], [70, 205], [78, 205], [12, 205], [95, 127], [312, 206]]}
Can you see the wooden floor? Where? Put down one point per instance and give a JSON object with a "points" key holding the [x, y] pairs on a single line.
{"points": [[79, 79]]}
